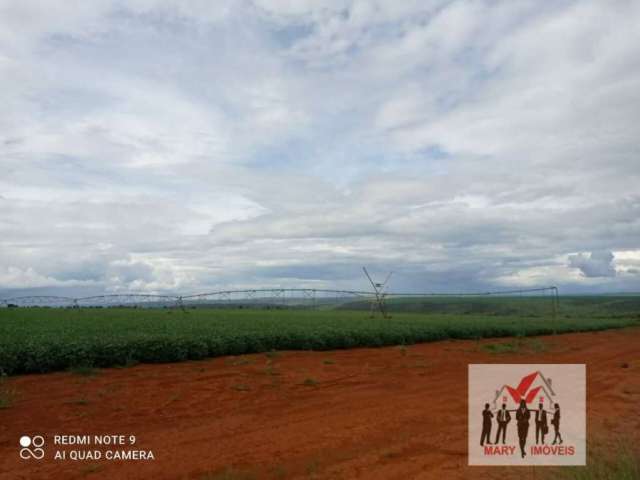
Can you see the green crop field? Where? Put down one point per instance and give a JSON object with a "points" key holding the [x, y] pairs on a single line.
{"points": [[47, 339]]}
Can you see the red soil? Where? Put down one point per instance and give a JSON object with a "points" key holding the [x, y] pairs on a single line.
{"points": [[364, 413]]}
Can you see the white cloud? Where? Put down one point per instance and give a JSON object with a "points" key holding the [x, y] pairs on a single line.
{"points": [[30, 278], [159, 145]]}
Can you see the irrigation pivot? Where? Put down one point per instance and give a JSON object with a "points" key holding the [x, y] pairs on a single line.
{"points": [[377, 299], [379, 295]]}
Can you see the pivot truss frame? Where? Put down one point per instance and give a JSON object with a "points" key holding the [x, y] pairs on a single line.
{"points": [[311, 298], [292, 297], [379, 291]]}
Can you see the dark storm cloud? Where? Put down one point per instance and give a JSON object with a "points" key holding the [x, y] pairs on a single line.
{"points": [[596, 264]]}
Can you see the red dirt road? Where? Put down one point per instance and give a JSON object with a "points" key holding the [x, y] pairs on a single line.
{"points": [[364, 413]]}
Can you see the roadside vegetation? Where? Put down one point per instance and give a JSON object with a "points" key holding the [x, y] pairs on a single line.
{"points": [[621, 463]]}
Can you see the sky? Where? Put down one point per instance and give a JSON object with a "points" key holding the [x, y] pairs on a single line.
{"points": [[169, 146]]}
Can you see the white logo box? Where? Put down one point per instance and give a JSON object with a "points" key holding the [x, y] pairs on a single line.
{"points": [[495, 384]]}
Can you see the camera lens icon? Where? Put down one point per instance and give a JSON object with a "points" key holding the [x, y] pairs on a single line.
{"points": [[31, 447]]}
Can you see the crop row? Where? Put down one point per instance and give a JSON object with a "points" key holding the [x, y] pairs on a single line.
{"points": [[44, 340]]}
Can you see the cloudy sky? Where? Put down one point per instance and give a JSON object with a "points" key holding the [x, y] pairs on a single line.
{"points": [[185, 146]]}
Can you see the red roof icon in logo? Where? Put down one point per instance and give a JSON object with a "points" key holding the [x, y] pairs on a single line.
{"points": [[522, 391]]}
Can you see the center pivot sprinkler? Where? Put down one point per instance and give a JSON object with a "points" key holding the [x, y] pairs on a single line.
{"points": [[379, 291]]}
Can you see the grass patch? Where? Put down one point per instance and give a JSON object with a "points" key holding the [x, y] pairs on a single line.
{"points": [[279, 473], [240, 387], [312, 467], [83, 370], [390, 453], [505, 347], [238, 361], [91, 468], [269, 370], [519, 345], [623, 465], [537, 345], [328, 361], [129, 362], [310, 382], [172, 398], [7, 395]]}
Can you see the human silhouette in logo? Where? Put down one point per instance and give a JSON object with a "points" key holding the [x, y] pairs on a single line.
{"points": [[555, 421], [486, 425], [522, 418], [503, 416], [542, 428]]}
